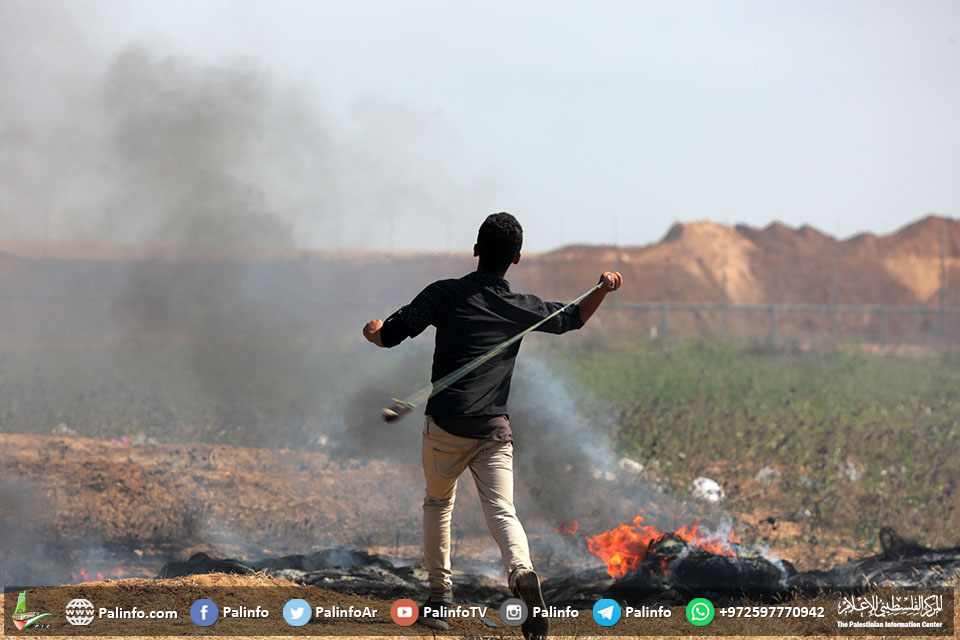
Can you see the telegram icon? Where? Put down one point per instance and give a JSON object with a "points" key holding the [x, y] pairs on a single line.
{"points": [[606, 612]]}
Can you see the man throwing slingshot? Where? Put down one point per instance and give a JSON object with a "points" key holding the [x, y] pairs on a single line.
{"points": [[467, 424]]}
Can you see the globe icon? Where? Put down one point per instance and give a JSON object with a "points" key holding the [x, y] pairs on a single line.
{"points": [[79, 612]]}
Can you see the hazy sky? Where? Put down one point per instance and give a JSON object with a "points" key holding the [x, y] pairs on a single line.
{"points": [[592, 122]]}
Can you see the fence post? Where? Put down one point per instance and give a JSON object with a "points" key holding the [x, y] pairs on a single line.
{"points": [[834, 290], [952, 313], [773, 325], [664, 316], [943, 323], [726, 301], [883, 326]]}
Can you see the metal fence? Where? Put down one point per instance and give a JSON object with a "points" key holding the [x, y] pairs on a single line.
{"points": [[784, 323], [778, 324]]}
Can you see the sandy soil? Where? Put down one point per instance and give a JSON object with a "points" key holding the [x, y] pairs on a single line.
{"points": [[146, 505]]}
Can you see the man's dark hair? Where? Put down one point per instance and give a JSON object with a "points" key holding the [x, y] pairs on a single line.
{"points": [[499, 241]]}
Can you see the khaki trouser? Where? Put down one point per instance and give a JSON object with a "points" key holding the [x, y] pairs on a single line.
{"points": [[445, 457]]}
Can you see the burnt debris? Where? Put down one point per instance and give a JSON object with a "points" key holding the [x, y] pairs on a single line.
{"points": [[669, 573], [901, 563]]}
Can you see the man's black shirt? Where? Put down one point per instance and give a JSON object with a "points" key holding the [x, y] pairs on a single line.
{"points": [[472, 315]]}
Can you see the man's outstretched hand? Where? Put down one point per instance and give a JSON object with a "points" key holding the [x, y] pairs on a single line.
{"points": [[611, 281], [371, 331]]}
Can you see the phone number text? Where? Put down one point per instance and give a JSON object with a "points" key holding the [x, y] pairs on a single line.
{"points": [[775, 611]]}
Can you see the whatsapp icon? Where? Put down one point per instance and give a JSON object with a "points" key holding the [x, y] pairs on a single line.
{"points": [[700, 612]]}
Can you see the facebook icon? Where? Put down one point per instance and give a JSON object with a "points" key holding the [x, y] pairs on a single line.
{"points": [[204, 612]]}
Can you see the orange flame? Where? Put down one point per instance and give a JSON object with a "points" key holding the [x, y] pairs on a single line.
{"points": [[692, 536], [624, 548], [567, 528], [84, 576]]}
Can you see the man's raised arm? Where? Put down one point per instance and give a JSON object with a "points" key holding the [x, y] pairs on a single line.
{"points": [[611, 281]]}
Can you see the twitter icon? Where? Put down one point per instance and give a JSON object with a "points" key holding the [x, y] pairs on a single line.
{"points": [[296, 612], [606, 612]]}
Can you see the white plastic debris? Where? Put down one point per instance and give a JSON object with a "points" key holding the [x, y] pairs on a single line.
{"points": [[849, 471], [707, 490], [768, 475], [630, 466], [63, 430]]}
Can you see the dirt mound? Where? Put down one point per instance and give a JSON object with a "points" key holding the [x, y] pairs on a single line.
{"points": [[694, 262], [774, 264]]}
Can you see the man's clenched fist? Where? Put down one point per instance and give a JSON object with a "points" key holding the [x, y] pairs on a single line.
{"points": [[611, 280]]}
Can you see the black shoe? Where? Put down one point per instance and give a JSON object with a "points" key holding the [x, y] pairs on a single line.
{"points": [[526, 586], [434, 618]]}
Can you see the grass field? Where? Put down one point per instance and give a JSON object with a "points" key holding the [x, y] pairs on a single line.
{"points": [[860, 440]]}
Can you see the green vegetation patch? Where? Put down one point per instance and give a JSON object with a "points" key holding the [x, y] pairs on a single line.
{"points": [[861, 440]]}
